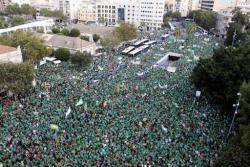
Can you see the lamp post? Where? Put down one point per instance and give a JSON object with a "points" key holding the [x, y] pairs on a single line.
{"points": [[234, 37], [236, 106]]}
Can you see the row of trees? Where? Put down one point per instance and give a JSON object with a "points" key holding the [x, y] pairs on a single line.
{"points": [[80, 59], [24, 9], [125, 32], [72, 33], [12, 21], [222, 76], [205, 19], [53, 13]]}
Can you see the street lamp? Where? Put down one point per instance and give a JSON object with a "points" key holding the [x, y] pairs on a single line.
{"points": [[236, 111], [234, 37]]}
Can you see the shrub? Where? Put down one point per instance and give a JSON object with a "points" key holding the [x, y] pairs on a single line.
{"points": [[81, 59], [74, 32], [55, 30], [62, 54], [65, 32]]}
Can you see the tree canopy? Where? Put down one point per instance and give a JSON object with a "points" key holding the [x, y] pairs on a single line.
{"points": [[205, 19], [15, 9], [32, 47], [96, 37], [126, 31], [17, 20], [81, 59], [16, 78], [55, 30], [239, 144], [65, 32], [236, 32], [109, 42], [3, 23], [62, 54], [74, 32], [222, 75], [53, 13]]}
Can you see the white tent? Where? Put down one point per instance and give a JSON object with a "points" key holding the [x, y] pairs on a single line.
{"points": [[49, 59], [57, 62], [171, 69]]}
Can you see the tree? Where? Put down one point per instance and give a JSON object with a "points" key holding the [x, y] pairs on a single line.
{"points": [[244, 114], [166, 19], [65, 32], [17, 20], [240, 144], [32, 47], [16, 78], [13, 9], [96, 37], [191, 28], [205, 19], [74, 32], [26, 9], [3, 23], [86, 38], [109, 42], [168, 16], [222, 75], [171, 14], [177, 32], [81, 59], [237, 29], [126, 31], [62, 54], [59, 14], [56, 30], [50, 13]]}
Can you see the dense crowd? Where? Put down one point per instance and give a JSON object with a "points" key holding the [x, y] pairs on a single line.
{"points": [[120, 111]]}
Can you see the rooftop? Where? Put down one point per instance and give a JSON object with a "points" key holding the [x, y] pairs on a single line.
{"points": [[64, 41], [5, 49]]}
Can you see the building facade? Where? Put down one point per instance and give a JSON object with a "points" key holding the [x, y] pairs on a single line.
{"points": [[21, 2], [10, 54], [181, 6], [244, 5], [106, 12], [87, 14], [4, 4], [217, 5], [139, 12], [70, 8]]}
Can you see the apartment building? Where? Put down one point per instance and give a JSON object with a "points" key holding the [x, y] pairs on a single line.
{"points": [[106, 12], [139, 12], [244, 5], [4, 4], [21, 2], [182, 6], [217, 5], [70, 8], [87, 14]]}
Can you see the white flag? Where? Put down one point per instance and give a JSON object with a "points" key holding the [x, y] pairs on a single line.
{"points": [[68, 112]]}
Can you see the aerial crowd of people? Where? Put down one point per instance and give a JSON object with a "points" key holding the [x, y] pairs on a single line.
{"points": [[119, 111]]}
